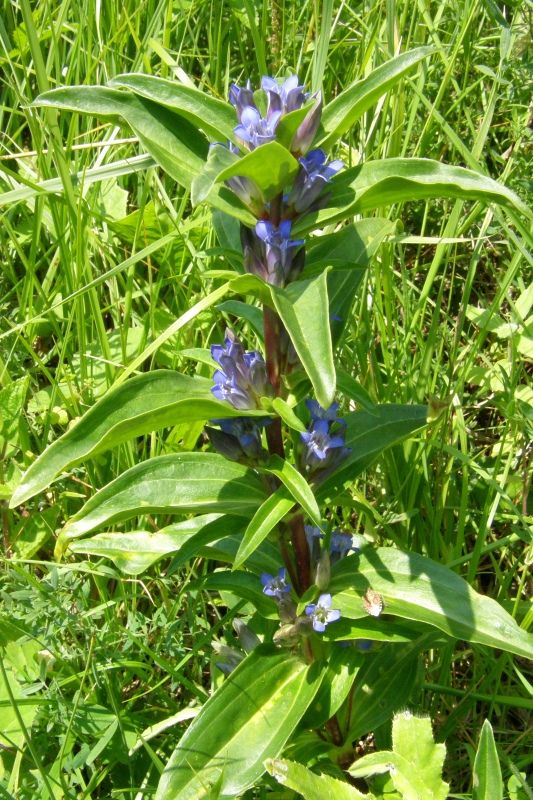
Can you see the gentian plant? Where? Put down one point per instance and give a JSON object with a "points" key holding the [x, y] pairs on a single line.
{"points": [[330, 627]]}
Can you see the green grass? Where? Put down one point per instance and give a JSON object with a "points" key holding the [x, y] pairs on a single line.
{"points": [[95, 270]]}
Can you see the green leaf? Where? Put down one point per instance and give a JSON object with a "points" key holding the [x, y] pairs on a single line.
{"points": [[218, 159], [171, 484], [383, 685], [245, 586], [289, 123], [310, 785], [275, 507], [304, 310], [177, 146], [174, 143], [134, 552], [339, 115], [245, 722], [487, 778], [270, 166], [415, 763], [143, 404], [416, 588], [368, 433], [349, 387], [12, 733], [287, 415], [377, 184], [351, 246], [342, 666], [297, 486], [213, 116], [349, 252]]}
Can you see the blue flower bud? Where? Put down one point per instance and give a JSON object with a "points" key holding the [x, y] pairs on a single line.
{"points": [[239, 440]]}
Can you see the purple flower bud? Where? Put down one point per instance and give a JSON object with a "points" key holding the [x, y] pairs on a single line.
{"points": [[241, 98], [314, 175], [276, 586], [241, 379], [304, 136], [321, 613], [249, 193]]}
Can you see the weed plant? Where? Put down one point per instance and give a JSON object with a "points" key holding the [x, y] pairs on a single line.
{"points": [[101, 252]]}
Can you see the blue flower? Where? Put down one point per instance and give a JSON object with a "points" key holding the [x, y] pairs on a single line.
{"points": [[315, 173], [239, 438], [256, 130], [321, 613], [278, 250], [285, 98], [270, 253], [282, 98], [324, 440], [241, 379], [321, 446], [340, 544], [276, 586], [317, 412]]}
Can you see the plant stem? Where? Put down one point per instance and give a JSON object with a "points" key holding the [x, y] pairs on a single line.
{"points": [[301, 551], [272, 337]]}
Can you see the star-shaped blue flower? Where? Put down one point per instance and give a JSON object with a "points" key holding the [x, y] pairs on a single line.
{"points": [[321, 613]]}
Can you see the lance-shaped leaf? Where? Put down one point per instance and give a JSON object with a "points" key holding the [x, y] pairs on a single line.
{"points": [[134, 552], [171, 484], [417, 588], [310, 785], [376, 184], [368, 433], [304, 310], [275, 507], [245, 586], [270, 166], [339, 115], [211, 115], [297, 486], [143, 404], [245, 722], [487, 778], [218, 159], [173, 141]]}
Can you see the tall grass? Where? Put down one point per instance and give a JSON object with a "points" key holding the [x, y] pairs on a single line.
{"points": [[101, 252]]}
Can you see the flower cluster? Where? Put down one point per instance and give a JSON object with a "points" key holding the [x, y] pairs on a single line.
{"points": [[324, 440], [241, 381], [268, 248], [254, 129], [242, 378], [270, 252]]}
